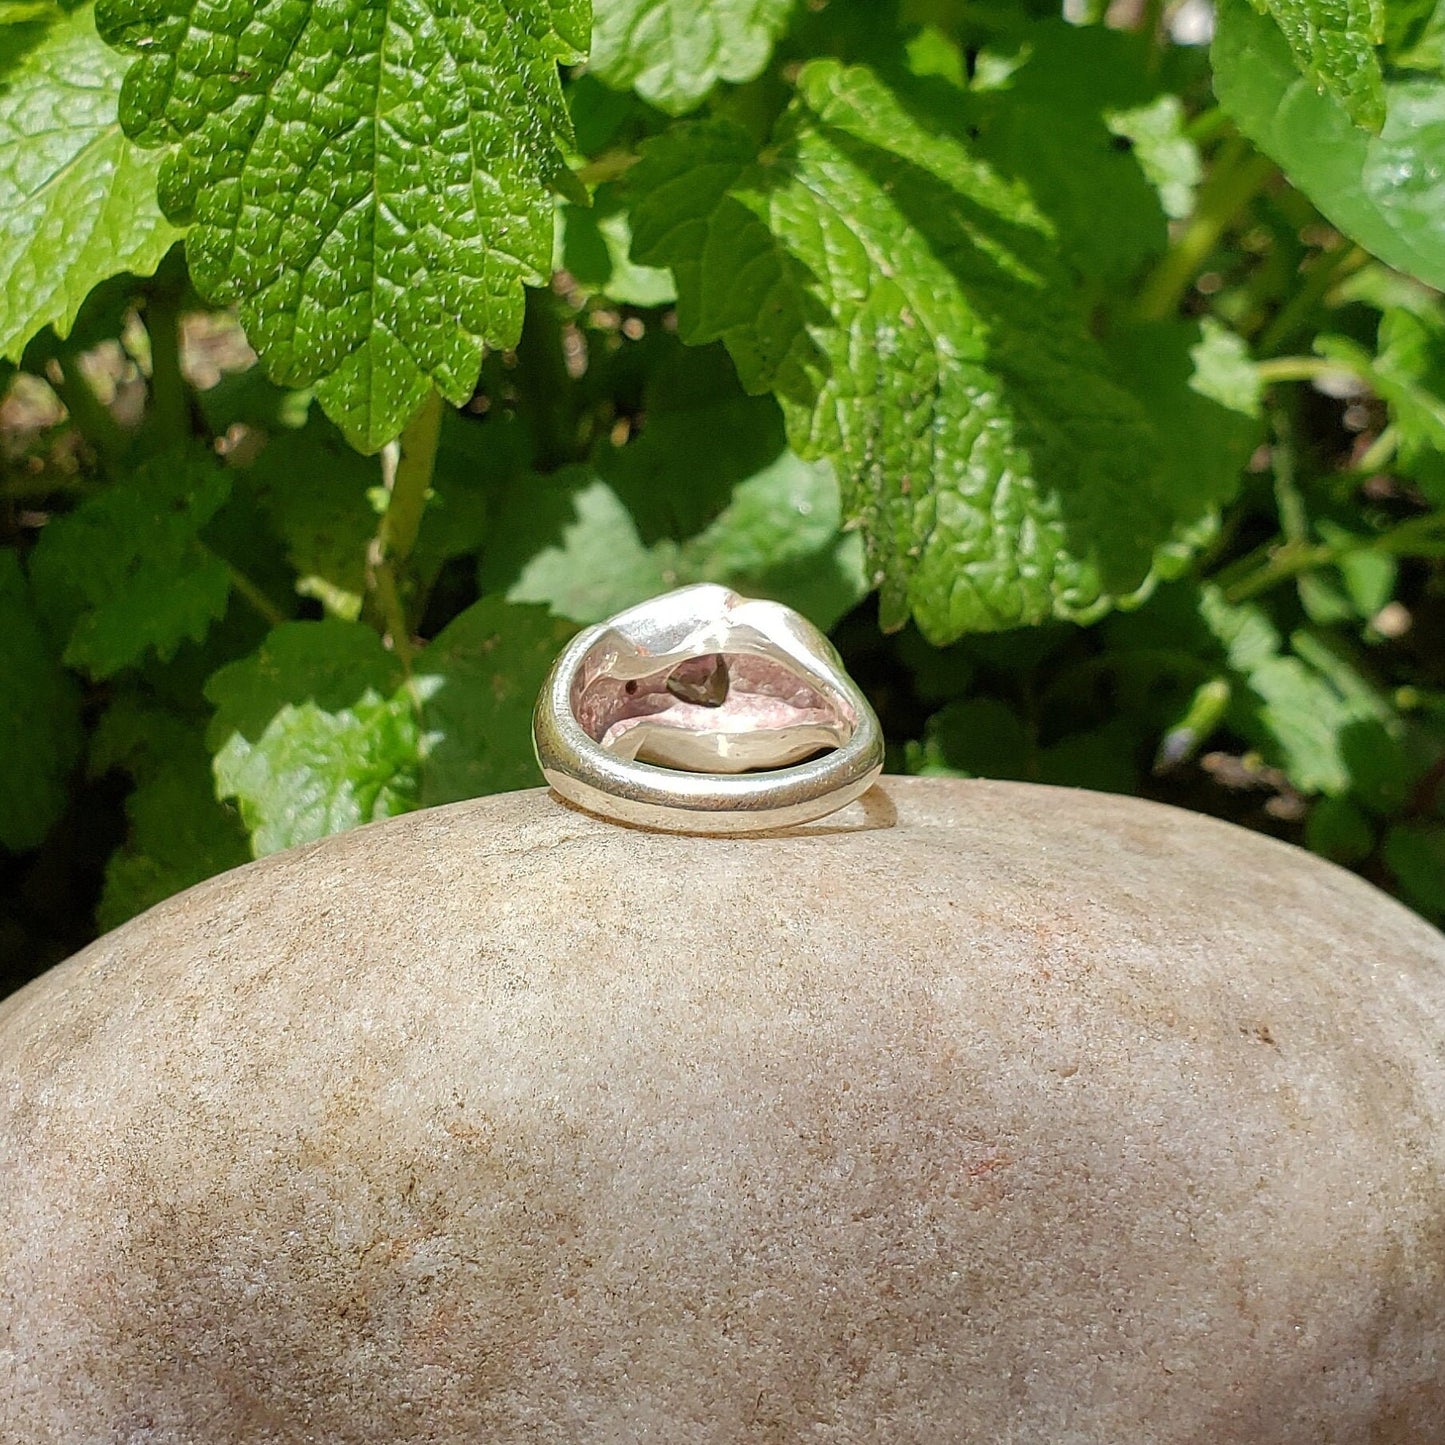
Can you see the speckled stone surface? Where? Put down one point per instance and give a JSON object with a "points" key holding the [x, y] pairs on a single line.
{"points": [[986, 1114]]}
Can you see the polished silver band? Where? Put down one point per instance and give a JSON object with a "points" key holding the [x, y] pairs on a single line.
{"points": [[687, 713]]}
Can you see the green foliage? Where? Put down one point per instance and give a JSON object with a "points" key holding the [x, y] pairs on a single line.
{"points": [[673, 52], [39, 725], [1406, 371], [1334, 46], [595, 249], [328, 665], [1415, 855], [1054, 120], [370, 183], [314, 772], [904, 302], [1386, 191], [591, 540], [127, 573], [79, 200], [479, 680], [1089, 387], [1307, 711], [178, 832], [1155, 131], [322, 729]]}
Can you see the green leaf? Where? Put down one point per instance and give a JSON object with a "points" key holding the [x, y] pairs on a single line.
{"points": [[1407, 377], [1371, 737], [572, 542], [126, 573], [77, 199], [314, 489], [906, 305], [1385, 191], [1415, 854], [179, 834], [984, 738], [24, 12], [1337, 829], [1203, 394], [694, 408], [599, 113], [1224, 371], [319, 731], [931, 52], [1104, 759], [314, 733], [479, 679], [329, 664], [1356, 587], [1333, 44], [1308, 711], [1305, 707], [594, 244], [1166, 154], [1369, 577], [39, 720], [1415, 34], [977, 737], [369, 182], [673, 52], [780, 537], [589, 541], [1052, 125], [568, 541], [1408, 374], [321, 498], [313, 772], [474, 458]]}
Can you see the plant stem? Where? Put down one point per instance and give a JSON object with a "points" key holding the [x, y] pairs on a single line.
{"points": [[1238, 175], [253, 594], [1284, 562], [1207, 124], [1303, 368], [170, 408], [412, 480], [393, 614], [408, 481], [1151, 27], [92, 420], [1379, 453], [1293, 518], [1419, 537], [607, 167], [1318, 279]]}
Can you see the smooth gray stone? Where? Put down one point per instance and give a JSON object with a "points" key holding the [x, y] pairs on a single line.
{"points": [[1037, 1117]]}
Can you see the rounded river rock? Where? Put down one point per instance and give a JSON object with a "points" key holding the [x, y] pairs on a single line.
{"points": [[980, 1113]]}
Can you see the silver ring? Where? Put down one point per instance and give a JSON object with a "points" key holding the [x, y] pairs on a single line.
{"points": [[701, 711]]}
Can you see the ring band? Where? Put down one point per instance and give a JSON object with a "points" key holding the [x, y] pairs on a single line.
{"points": [[705, 712]]}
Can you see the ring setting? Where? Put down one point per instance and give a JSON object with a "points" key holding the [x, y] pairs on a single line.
{"points": [[704, 711]]}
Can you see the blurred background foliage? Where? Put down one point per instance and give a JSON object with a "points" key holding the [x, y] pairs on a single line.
{"points": [[223, 634]]}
